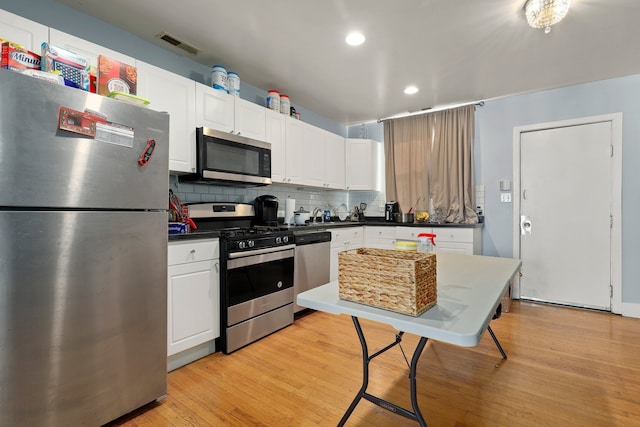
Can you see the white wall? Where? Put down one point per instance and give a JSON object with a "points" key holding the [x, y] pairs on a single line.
{"points": [[494, 158], [63, 18]]}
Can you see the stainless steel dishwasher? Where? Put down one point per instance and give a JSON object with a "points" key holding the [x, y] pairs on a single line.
{"points": [[311, 262]]}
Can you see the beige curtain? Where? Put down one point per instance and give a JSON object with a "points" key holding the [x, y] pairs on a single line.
{"points": [[430, 157], [407, 149], [453, 189]]}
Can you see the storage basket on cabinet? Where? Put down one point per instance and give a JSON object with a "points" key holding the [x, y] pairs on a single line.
{"points": [[400, 281]]}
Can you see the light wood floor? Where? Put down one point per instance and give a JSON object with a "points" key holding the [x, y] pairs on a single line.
{"points": [[566, 367]]}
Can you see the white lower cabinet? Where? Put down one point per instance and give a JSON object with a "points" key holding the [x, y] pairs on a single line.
{"points": [[193, 316], [461, 240], [380, 237], [343, 239], [466, 241]]}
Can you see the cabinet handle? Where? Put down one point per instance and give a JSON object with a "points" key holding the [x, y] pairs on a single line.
{"points": [[217, 266], [193, 251]]}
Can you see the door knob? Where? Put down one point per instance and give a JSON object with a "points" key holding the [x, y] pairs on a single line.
{"points": [[525, 225]]}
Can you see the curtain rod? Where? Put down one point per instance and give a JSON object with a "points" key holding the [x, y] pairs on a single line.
{"points": [[430, 110]]}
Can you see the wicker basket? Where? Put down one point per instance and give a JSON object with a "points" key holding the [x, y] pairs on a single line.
{"points": [[400, 281]]}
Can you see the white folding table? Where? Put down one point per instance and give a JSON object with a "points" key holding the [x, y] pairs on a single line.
{"points": [[470, 288]]}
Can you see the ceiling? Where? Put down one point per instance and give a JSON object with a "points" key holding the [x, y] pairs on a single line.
{"points": [[455, 51]]}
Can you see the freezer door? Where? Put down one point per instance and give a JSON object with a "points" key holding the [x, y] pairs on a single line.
{"points": [[44, 166], [83, 315]]}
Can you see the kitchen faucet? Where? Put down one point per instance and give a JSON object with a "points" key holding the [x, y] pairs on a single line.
{"points": [[316, 211]]}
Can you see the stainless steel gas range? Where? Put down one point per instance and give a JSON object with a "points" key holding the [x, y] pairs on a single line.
{"points": [[256, 275]]}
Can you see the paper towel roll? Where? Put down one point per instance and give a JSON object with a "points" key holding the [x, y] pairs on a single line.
{"points": [[289, 209]]}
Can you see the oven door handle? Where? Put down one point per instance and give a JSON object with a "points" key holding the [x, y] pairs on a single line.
{"points": [[260, 251], [260, 258]]}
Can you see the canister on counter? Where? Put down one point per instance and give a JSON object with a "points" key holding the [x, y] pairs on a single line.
{"points": [[219, 77], [273, 100], [285, 104], [233, 83]]}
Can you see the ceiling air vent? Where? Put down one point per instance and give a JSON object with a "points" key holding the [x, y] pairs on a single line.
{"points": [[177, 43]]}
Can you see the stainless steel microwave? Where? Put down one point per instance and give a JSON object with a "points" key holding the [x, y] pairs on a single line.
{"points": [[231, 159]]}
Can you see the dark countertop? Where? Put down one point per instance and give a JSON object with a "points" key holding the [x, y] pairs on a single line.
{"points": [[194, 235], [371, 221]]}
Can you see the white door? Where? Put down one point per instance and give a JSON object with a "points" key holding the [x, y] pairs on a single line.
{"points": [[565, 208]]}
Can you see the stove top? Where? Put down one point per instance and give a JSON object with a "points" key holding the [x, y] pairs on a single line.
{"points": [[256, 231]]}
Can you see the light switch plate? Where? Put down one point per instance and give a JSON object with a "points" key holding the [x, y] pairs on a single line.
{"points": [[505, 197]]}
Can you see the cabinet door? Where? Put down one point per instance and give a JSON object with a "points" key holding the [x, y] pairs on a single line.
{"points": [[214, 109], [250, 119], [380, 237], [193, 305], [334, 161], [411, 233], [311, 156], [275, 135], [28, 33], [333, 263], [85, 48], [454, 248], [343, 239], [176, 95], [360, 164], [293, 142]]}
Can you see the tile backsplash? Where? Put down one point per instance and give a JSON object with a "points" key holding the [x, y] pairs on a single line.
{"points": [[306, 197]]}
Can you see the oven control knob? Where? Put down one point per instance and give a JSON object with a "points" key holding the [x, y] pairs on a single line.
{"points": [[278, 240], [285, 239], [251, 243], [242, 245]]}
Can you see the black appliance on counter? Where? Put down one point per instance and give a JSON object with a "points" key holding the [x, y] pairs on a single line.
{"points": [[256, 273], [391, 208], [266, 208]]}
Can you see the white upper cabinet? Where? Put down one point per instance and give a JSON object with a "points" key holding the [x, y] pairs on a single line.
{"points": [[218, 110], [334, 171], [28, 33], [362, 158], [249, 119], [214, 109], [305, 155], [89, 50], [275, 135], [314, 157], [176, 95]]}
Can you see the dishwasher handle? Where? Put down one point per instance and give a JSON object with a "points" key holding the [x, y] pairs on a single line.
{"points": [[312, 238]]}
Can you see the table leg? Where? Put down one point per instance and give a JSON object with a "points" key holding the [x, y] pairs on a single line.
{"points": [[416, 415], [412, 381], [495, 340]]}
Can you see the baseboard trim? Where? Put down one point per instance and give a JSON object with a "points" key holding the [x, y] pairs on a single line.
{"points": [[630, 309]]}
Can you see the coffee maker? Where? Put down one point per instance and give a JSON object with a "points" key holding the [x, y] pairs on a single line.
{"points": [[391, 208], [266, 208]]}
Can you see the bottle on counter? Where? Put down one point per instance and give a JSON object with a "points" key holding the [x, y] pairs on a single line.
{"points": [[427, 242]]}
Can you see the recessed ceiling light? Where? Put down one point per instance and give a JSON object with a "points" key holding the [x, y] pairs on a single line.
{"points": [[410, 90], [355, 38]]}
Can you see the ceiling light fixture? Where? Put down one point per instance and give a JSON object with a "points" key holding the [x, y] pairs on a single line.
{"points": [[355, 38], [545, 13], [410, 90]]}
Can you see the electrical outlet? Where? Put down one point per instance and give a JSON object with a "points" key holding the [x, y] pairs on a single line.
{"points": [[505, 197]]}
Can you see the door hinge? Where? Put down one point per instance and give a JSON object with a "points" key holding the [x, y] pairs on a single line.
{"points": [[611, 290], [611, 150], [611, 221]]}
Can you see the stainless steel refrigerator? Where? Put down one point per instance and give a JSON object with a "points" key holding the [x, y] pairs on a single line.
{"points": [[83, 255]]}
